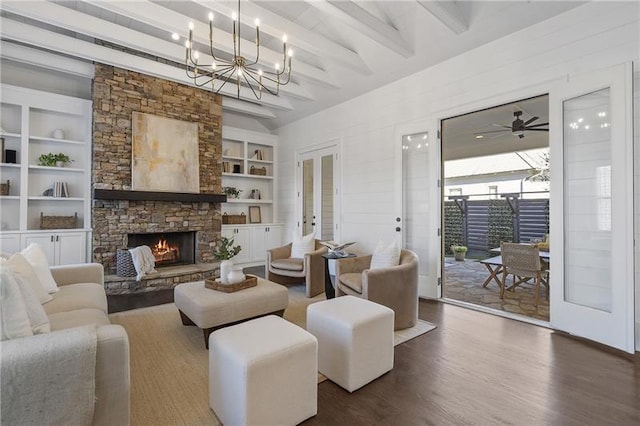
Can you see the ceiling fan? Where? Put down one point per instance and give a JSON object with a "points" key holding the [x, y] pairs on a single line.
{"points": [[518, 127]]}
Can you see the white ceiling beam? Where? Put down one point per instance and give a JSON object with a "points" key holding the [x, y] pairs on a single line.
{"points": [[447, 12], [170, 21], [40, 58], [45, 39], [366, 23], [275, 26], [79, 22], [231, 104]]}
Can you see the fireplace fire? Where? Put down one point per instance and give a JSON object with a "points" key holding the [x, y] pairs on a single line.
{"points": [[168, 248], [163, 252]]}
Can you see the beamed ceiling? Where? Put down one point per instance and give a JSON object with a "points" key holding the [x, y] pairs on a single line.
{"points": [[342, 49]]}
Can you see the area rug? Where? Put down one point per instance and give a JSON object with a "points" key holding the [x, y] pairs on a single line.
{"points": [[169, 363]]}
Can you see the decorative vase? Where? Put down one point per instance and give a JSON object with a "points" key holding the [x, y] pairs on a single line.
{"points": [[60, 163], [236, 276], [225, 267]]}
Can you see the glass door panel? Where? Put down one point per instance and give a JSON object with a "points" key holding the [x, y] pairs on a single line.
{"points": [[327, 199], [587, 200], [308, 218]]}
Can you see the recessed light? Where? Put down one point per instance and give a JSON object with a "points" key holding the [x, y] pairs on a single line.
{"points": [[175, 36], [479, 136]]}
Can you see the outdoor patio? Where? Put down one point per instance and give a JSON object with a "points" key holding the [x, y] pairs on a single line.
{"points": [[463, 281]]}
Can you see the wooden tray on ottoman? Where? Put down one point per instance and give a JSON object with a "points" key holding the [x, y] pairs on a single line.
{"points": [[251, 281]]}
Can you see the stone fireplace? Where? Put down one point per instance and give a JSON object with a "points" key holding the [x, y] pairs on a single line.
{"points": [[117, 93]]}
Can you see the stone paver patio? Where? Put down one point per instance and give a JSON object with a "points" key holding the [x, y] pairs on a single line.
{"points": [[463, 282]]}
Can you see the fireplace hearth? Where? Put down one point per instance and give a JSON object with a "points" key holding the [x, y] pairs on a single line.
{"points": [[168, 248]]}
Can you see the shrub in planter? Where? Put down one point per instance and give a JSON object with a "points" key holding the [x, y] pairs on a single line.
{"points": [[459, 252]]}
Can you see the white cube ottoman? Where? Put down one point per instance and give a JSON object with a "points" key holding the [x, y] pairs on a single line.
{"points": [[355, 339], [211, 309], [263, 372]]}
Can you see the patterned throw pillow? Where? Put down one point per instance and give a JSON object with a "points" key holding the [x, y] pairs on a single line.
{"points": [[302, 245], [385, 257]]}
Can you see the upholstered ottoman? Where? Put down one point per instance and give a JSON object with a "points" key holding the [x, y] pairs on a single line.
{"points": [[263, 372], [355, 339], [211, 309]]}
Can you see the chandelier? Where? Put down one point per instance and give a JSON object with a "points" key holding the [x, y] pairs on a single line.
{"points": [[239, 70]]}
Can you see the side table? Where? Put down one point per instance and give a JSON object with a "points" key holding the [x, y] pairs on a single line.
{"points": [[329, 291]]}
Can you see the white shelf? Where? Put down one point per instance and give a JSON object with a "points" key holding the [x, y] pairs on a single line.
{"points": [[57, 169], [10, 135], [9, 197], [45, 198], [55, 140], [10, 165], [260, 161], [227, 157], [245, 175], [248, 201]]}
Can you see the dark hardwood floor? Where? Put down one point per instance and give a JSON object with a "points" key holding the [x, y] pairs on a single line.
{"points": [[480, 369]]}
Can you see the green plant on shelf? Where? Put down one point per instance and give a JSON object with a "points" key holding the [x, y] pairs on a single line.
{"points": [[54, 160], [226, 250], [231, 191]]}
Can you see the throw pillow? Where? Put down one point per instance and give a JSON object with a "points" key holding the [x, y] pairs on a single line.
{"points": [[302, 245], [14, 321], [35, 312], [384, 257], [23, 269], [38, 259]]}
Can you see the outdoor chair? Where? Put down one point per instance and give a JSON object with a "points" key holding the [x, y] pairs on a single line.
{"points": [[523, 262]]}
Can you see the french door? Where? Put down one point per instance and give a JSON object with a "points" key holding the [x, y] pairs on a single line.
{"points": [[418, 200], [318, 205], [592, 269]]}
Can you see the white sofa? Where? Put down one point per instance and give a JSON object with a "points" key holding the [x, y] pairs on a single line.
{"points": [[81, 300]]}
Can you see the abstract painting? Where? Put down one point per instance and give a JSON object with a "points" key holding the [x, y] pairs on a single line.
{"points": [[164, 154]]}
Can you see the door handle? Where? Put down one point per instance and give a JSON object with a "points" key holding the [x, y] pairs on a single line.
{"points": [[52, 238], [57, 237]]}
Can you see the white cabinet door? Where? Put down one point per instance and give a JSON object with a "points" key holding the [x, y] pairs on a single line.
{"points": [[70, 248], [273, 237], [61, 249], [258, 246], [9, 243], [44, 240], [263, 238], [241, 237]]}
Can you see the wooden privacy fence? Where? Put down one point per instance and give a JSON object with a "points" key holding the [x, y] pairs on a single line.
{"points": [[482, 224]]}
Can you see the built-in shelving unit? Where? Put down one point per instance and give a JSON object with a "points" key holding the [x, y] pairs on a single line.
{"points": [[248, 160], [35, 123], [248, 165]]}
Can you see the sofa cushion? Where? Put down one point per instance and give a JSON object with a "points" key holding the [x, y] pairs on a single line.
{"points": [[14, 320], [38, 259], [21, 267], [78, 296], [37, 316], [352, 280], [290, 264], [78, 317]]}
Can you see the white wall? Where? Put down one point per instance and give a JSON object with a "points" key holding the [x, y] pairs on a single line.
{"points": [[527, 63]]}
